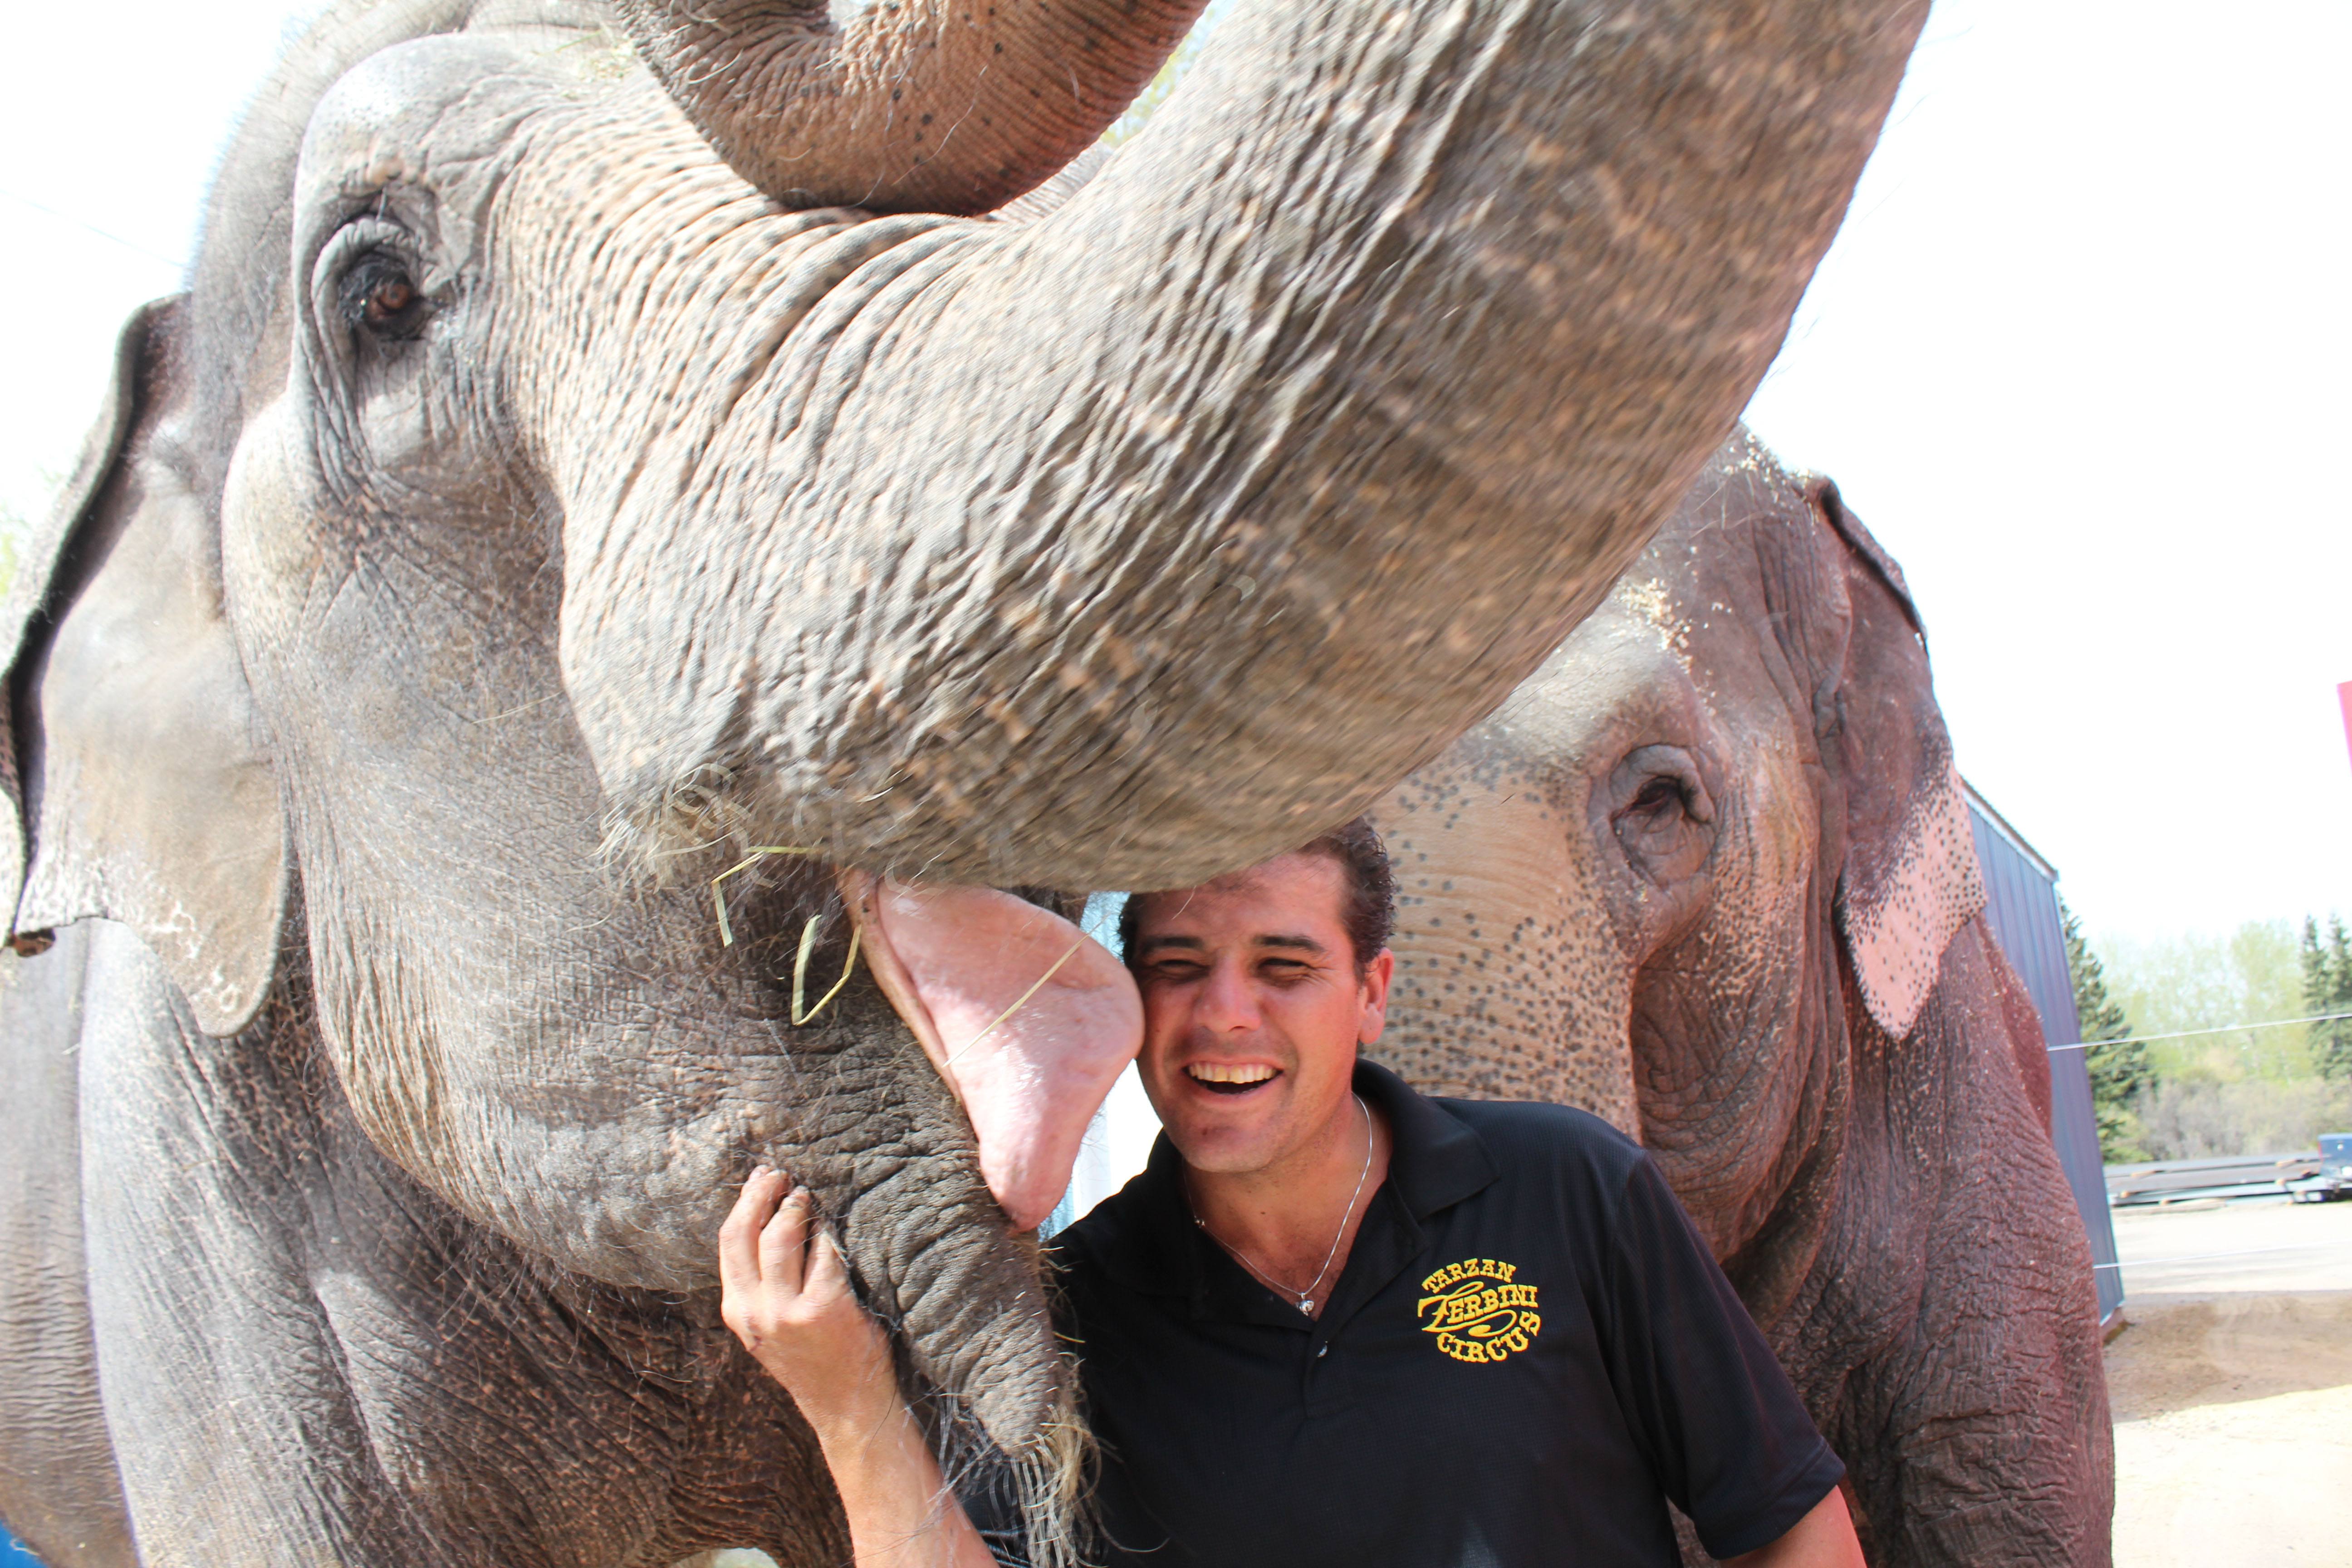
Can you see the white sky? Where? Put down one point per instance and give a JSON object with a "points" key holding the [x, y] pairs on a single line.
{"points": [[2079, 359]]}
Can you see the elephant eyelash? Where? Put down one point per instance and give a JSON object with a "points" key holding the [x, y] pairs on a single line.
{"points": [[1657, 794]]}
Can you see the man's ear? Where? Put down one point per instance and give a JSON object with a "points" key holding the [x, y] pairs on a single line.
{"points": [[1910, 878], [138, 790]]}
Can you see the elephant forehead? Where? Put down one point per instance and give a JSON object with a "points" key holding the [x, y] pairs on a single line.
{"points": [[1649, 602], [1614, 684], [433, 114]]}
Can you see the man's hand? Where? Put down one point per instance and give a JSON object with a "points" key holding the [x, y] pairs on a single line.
{"points": [[1822, 1539], [788, 1299]]}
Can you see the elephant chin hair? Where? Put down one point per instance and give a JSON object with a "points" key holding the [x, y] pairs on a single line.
{"points": [[695, 814], [1047, 1477], [715, 808]]}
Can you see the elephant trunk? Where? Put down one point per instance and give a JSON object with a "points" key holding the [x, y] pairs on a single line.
{"points": [[963, 1299], [1146, 539], [925, 106]]}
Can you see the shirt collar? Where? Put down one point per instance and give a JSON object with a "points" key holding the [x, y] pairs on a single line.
{"points": [[1435, 1160]]}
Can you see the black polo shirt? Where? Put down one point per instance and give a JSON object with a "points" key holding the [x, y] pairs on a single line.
{"points": [[1529, 1351]]}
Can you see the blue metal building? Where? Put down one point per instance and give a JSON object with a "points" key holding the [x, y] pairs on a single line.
{"points": [[2022, 909]]}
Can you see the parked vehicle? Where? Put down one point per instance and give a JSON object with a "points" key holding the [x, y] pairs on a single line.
{"points": [[2333, 1180]]}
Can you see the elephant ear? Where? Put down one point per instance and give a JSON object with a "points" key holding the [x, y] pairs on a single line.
{"points": [[137, 790], [1910, 878]]}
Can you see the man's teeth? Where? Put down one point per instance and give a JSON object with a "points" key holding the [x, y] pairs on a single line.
{"points": [[1217, 1072]]}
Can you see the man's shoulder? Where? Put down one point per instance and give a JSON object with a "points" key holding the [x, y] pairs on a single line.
{"points": [[1553, 1166], [1108, 1240], [1532, 1138]]}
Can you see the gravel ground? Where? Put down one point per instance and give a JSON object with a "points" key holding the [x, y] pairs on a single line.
{"points": [[2233, 1387]]}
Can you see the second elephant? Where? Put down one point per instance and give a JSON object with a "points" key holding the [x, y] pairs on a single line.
{"points": [[1709, 873]]}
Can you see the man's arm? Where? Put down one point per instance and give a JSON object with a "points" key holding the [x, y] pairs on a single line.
{"points": [[1822, 1539], [788, 1299]]}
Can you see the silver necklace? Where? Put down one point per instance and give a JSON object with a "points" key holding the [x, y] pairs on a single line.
{"points": [[1305, 1300]]}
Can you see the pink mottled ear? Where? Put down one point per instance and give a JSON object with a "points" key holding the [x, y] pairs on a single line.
{"points": [[1910, 878]]}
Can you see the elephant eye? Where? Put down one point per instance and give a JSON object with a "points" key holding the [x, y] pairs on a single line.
{"points": [[381, 299], [1665, 822]]}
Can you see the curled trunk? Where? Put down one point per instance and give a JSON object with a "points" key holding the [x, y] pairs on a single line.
{"points": [[949, 106], [1146, 539]]}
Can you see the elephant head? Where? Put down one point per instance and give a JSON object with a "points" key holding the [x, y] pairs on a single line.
{"points": [[540, 507], [1709, 873], [1646, 882]]}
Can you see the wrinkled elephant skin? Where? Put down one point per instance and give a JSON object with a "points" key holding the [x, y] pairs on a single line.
{"points": [[1708, 873], [539, 503]]}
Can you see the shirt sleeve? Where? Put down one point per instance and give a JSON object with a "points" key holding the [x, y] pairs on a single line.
{"points": [[1732, 1444]]}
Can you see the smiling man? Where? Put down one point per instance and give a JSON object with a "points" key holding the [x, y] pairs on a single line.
{"points": [[1335, 1322]]}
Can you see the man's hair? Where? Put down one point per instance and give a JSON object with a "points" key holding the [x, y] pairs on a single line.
{"points": [[1368, 890]]}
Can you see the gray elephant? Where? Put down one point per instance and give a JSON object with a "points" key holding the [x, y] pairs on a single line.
{"points": [[555, 507], [1708, 873]]}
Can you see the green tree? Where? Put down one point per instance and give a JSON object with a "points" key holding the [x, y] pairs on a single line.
{"points": [[2119, 1065], [2327, 988], [2177, 990], [13, 530]]}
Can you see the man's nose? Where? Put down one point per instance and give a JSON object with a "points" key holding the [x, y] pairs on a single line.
{"points": [[1228, 1004]]}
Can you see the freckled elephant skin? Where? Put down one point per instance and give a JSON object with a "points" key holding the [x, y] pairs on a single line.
{"points": [[1700, 875], [524, 516]]}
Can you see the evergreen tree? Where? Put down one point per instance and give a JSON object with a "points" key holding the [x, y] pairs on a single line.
{"points": [[2119, 1065], [2327, 988]]}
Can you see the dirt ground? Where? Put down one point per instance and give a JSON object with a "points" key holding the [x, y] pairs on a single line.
{"points": [[2232, 1388]]}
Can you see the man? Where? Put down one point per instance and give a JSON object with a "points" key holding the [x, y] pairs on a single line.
{"points": [[1334, 1321]]}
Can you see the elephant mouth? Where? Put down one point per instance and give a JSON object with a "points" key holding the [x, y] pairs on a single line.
{"points": [[1027, 1018]]}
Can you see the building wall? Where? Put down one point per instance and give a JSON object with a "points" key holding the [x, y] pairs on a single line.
{"points": [[2022, 909]]}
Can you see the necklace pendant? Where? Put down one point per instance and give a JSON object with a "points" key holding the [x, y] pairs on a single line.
{"points": [[1306, 1305]]}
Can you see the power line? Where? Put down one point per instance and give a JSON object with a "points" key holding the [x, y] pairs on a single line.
{"points": [[131, 246], [2245, 1252], [2192, 1034], [2205, 1257]]}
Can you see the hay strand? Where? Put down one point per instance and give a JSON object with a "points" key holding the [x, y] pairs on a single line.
{"points": [[800, 971], [718, 897], [1020, 1001]]}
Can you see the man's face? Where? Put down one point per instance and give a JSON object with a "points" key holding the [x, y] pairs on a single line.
{"points": [[1253, 1010]]}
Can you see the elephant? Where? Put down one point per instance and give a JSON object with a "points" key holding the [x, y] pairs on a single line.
{"points": [[583, 648], [1708, 873]]}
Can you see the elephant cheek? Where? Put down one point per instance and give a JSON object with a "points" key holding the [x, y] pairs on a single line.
{"points": [[1027, 1018]]}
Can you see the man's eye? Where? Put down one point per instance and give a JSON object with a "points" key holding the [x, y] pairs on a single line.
{"points": [[1176, 971]]}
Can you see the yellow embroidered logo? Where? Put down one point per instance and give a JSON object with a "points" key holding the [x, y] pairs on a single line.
{"points": [[1475, 1311]]}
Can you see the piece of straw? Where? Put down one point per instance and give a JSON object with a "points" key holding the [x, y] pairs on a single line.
{"points": [[800, 971], [1019, 1000], [719, 899]]}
